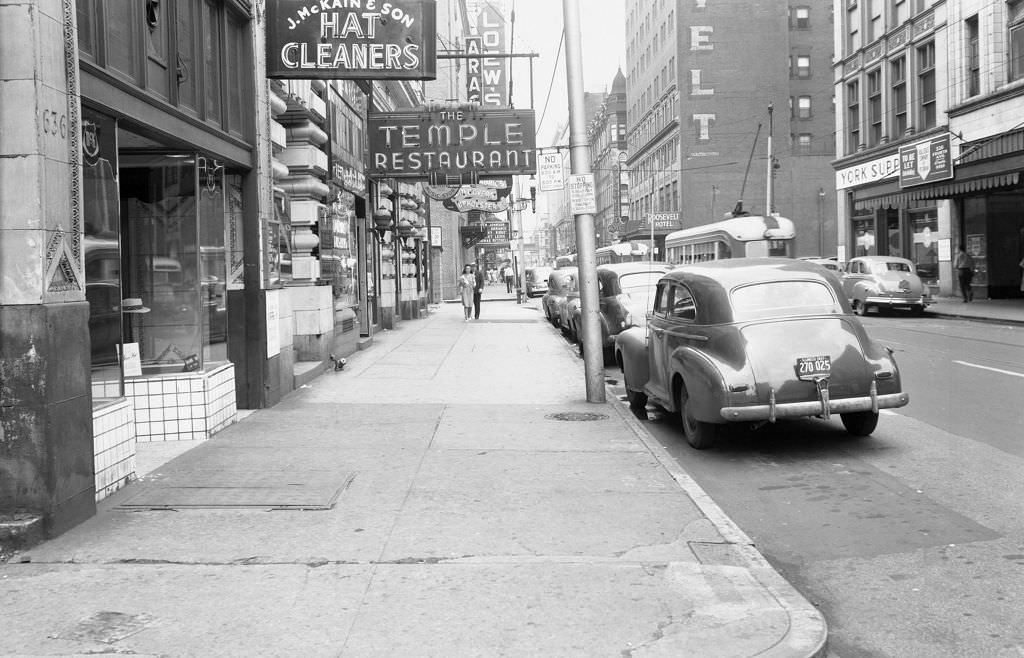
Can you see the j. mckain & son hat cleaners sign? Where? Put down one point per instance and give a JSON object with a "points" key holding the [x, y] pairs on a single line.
{"points": [[352, 39]]}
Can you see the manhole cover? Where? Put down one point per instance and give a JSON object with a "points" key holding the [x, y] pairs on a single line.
{"points": [[575, 415]]}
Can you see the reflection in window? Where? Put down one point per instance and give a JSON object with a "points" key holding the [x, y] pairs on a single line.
{"points": [[925, 249], [158, 205], [781, 298], [102, 249]]}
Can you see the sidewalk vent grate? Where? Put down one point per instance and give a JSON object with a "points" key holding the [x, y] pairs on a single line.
{"points": [[575, 416]]}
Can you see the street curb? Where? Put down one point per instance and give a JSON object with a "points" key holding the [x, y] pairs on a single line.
{"points": [[808, 632], [975, 318]]}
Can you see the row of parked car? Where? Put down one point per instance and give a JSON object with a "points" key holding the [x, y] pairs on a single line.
{"points": [[746, 341]]}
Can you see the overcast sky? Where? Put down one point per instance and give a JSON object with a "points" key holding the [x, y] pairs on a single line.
{"points": [[538, 28]]}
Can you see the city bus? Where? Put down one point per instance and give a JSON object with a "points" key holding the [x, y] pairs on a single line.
{"points": [[739, 237], [622, 252]]}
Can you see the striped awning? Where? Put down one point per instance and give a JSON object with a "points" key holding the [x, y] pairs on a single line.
{"points": [[891, 196]]}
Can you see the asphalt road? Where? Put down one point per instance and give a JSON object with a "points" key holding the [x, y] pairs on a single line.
{"points": [[910, 541]]}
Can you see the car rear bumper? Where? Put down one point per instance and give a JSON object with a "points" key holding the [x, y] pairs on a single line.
{"points": [[814, 407], [898, 302]]}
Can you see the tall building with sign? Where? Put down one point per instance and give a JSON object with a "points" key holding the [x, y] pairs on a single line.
{"points": [[930, 139], [606, 134], [701, 76]]}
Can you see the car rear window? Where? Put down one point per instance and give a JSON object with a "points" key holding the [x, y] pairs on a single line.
{"points": [[639, 282], [893, 266], [783, 298]]}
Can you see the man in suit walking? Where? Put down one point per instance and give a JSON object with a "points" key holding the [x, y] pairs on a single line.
{"points": [[477, 291]]}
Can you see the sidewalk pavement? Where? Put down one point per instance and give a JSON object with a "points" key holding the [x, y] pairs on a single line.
{"points": [[984, 310], [449, 493]]}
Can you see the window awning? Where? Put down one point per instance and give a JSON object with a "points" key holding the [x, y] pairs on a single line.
{"points": [[891, 196]]}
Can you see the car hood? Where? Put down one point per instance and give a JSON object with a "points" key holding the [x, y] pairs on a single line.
{"points": [[772, 350]]}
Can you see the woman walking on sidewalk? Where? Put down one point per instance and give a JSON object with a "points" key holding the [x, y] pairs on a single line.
{"points": [[466, 285]]}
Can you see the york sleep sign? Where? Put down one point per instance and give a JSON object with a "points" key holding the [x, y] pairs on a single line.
{"points": [[451, 142], [352, 39]]}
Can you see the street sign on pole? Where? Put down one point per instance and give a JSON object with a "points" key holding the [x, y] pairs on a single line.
{"points": [[550, 172], [582, 198]]}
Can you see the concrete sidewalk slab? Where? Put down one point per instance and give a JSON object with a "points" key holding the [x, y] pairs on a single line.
{"points": [[484, 508]]}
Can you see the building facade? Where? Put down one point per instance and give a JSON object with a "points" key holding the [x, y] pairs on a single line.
{"points": [[179, 236], [710, 85], [931, 137], [606, 135]]}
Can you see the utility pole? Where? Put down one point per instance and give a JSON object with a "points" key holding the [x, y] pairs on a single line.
{"points": [[769, 206], [579, 159]]}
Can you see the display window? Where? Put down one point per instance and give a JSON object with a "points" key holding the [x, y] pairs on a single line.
{"points": [[102, 251], [864, 236], [173, 211], [924, 250]]}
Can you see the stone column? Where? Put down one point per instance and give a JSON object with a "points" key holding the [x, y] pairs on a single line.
{"points": [[46, 445]]}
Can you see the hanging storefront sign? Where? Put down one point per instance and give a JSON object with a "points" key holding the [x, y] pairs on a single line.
{"points": [[449, 143], [497, 234], [343, 39], [474, 71], [487, 77], [926, 162]]}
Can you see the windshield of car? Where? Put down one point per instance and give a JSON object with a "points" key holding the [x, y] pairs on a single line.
{"points": [[563, 281], [639, 283], [889, 266], [783, 298]]}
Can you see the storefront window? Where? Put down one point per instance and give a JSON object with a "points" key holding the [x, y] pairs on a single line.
{"points": [[213, 267], [337, 249], [102, 250], [893, 234], [174, 259], [864, 236], [924, 226]]}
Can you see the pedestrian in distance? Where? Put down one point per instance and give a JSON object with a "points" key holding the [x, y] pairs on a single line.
{"points": [[508, 274], [466, 285], [478, 290], [964, 265]]}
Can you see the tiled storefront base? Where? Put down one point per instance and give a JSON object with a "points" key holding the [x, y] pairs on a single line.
{"points": [[183, 406], [113, 429], [174, 407]]}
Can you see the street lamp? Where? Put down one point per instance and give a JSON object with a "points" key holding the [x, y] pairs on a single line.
{"points": [[517, 206], [821, 221]]}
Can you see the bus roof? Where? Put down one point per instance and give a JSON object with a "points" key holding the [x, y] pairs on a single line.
{"points": [[748, 227], [625, 248]]}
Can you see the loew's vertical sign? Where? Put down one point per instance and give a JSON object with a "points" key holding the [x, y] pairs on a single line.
{"points": [[352, 39]]}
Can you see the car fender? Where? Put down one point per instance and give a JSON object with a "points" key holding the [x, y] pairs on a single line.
{"points": [[862, 290], [705, 384], [631, 355]]}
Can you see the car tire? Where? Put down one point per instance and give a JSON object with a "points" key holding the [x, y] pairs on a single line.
{"points": [[698, 434], [860, 423], [637, 399]]}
